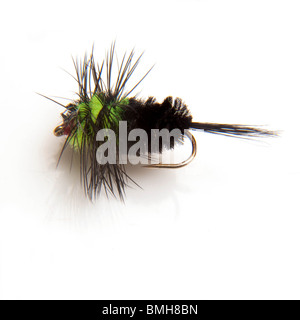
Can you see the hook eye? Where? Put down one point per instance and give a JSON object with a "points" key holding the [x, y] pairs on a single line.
{"points": [[59, 131]]}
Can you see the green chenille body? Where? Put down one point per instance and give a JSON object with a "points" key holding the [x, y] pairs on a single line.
{"points": [[89, 111]]}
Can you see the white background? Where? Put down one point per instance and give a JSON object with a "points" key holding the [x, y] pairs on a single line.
{"points": [[225, 227]]}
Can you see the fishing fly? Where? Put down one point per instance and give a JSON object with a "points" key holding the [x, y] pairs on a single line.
{"points": [[95, 125]]}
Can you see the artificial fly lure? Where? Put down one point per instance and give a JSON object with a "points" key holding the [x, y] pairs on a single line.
{"points": [[104, 104]]}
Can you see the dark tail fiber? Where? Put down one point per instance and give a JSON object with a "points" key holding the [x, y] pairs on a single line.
{"points": [[232, 130]]}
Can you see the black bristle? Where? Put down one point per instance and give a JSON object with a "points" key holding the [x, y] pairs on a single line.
{"points": [[149, 114], [232, 130]]}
